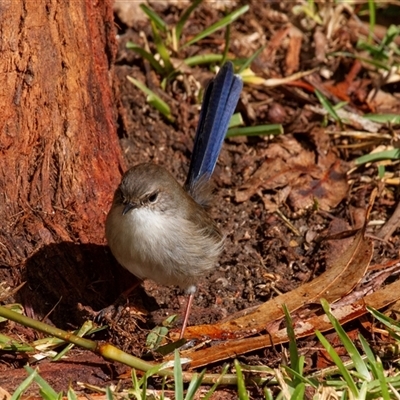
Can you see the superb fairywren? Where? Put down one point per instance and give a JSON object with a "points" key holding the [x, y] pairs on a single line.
{"points": [[158, 229]]}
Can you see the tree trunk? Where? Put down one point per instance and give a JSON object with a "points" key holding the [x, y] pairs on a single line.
{"points": [[60, 157]]}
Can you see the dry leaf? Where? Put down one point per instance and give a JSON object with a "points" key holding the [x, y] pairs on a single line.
{"points": [[322, 183], [294, 48], [344, 274], [350, 312]]}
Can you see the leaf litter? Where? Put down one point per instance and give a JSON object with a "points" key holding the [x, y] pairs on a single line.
{"points": [[293, 207], [278, 197]]}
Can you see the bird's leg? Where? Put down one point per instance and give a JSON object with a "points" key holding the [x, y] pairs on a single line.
{"points": [[187, 313]]}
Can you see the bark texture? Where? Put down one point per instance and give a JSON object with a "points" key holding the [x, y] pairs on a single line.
{"points": [[60, 159]]}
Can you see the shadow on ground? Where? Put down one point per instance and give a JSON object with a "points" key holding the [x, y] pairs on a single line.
{"points": [[60, 276]]}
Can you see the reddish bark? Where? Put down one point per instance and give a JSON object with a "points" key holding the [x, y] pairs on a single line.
{"points": [[60, 159]]}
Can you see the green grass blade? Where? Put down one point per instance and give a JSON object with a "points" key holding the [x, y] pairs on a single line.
{"points": [[268, 394], [143, 384], [170, 347], [391, 34], [328, 106], [241, 385], [392, 325], [71, 395], [109, 393], [376, 52], [376, 367], [45, 389], [154, 17], [383, 118], [9, 344], [363, 390], [182, 20], [372, 19], [17, 308], [247, 63], [336, 359], [147, 56], [236, 120], [298, 393], [375, 63], [311, 382], [226, 47], [367, 350], [18, 392], [294, 354], [178, 379], [83, 330], [194, 385], [153, 99], [150, 372], [310, 10], [134, 378], [258, 130], [203, 59], [217, 383], [162, 49], [218, 25], [381, 171], [393, 154], [340, 105], [359, 363]]}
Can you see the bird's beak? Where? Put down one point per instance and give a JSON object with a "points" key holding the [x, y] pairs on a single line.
{"points": [[128, 207]]}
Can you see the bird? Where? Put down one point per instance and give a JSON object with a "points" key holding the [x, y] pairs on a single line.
{"points": [[160, 230]]}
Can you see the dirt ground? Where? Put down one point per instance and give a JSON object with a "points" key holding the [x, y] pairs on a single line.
{"points": [[270, 246], [262, 256]]}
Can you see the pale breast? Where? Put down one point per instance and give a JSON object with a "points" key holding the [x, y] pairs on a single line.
{"points": [[168, 249]]}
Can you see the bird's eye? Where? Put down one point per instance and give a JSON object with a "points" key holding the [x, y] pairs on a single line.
{"points": [[153, 197]]}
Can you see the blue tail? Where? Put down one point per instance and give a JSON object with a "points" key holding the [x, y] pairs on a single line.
{"points": [[219, 103]]}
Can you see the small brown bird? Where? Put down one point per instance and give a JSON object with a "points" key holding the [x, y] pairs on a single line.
{"points": [[161, 231]]}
